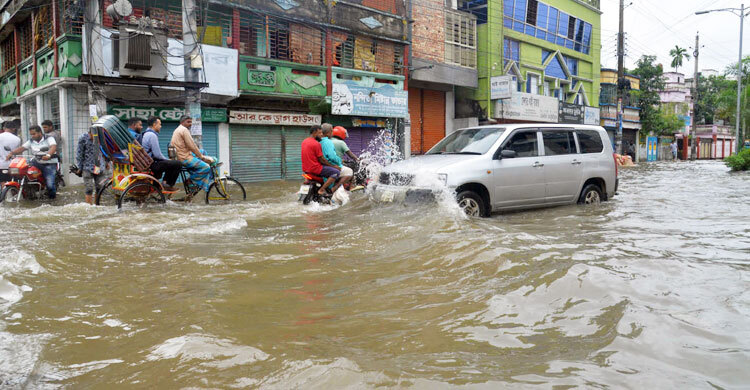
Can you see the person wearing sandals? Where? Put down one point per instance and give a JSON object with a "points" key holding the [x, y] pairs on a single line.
{"points": [[313, 161], [190, 156]]}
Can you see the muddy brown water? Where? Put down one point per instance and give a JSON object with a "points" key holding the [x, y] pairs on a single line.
{"points": [[649, 290]]}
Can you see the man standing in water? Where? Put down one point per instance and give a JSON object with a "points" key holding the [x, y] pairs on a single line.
{"points": [[314, 163], [92, 170], [674, 149]]}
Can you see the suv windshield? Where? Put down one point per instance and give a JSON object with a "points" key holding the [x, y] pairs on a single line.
{"points": [[468, 141]]}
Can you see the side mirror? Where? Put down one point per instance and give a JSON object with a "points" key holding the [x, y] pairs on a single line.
{"points": [[506, 154]]}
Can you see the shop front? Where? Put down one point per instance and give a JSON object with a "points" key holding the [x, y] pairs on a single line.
{"points": [[170, 116], [265, 145]]}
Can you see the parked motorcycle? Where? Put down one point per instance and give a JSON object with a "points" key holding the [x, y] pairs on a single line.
{"points": [[28, 181]]}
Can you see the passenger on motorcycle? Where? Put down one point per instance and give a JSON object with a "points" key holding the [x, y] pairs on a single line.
{"points": [[161, 166], [8, 141], [189, 154], [313, 161], [93, 170], [49, 131], [329, 152], [48, 162]]}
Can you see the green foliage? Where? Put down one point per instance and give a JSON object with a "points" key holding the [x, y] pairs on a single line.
{"points": [[709, 106], [739, 162], [677, 55], [668, 123], [650, 73]]}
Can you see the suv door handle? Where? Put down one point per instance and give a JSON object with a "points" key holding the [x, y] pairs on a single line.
{"points": [[537, 165], [576, 162]]}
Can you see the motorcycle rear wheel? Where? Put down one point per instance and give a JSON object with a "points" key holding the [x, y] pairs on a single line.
{"points": [[9, 194]]}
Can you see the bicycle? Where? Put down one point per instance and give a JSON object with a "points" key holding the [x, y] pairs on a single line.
{"points": [[223, 189]]}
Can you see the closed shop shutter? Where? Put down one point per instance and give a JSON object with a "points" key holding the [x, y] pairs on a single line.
{"points": [[360, 139], [415, 114], [294, 138], [256, 153], [433, 118], [210, 137]]}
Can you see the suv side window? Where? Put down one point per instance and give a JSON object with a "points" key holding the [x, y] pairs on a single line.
{"points": [[524, 143], [589, 141], [557, 142]]}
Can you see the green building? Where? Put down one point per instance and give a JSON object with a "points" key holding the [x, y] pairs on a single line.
{"points": [[548, 48]]}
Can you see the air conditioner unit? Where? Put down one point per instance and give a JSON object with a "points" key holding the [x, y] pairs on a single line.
{"points": [[141, 48]]}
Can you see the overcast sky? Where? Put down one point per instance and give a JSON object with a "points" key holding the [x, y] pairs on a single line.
{"points": [[654, 27]]}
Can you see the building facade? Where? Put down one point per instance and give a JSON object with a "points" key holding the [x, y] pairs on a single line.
{"points": [[268, 70], [631, 118], [443, 57], [549, 53]]}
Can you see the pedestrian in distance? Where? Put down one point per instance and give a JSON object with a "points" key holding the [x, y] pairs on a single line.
{"points": [[673, 145], [91, 165], [162, 166], [190, 156]]}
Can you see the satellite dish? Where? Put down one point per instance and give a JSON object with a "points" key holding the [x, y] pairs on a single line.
{"points": [[120, 9]]}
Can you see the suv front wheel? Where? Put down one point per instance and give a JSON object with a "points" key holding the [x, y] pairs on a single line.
{"points": [[472, 204]]}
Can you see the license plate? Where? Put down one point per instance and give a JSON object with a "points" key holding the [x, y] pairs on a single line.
{"points": [[304, 189], [387, 196]]}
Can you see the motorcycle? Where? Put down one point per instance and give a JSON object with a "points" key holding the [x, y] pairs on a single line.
{"points": [[308, 191], [28, 181]]}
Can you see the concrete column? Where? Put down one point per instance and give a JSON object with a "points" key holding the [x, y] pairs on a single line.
{"points": [[450, 112], [93, 58], [39, 109], [224, 148], [23, 131]]}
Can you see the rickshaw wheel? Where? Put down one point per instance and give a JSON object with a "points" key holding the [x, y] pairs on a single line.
{"points": [[106, 196], [141, 193]]}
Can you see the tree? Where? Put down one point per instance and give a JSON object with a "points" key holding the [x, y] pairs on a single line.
{"points": [[651, 83], [710, 90], [677, 55]]}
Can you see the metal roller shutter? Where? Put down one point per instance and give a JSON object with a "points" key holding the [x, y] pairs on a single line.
{"points": [[210, 137], [256, 153], [294, 137], [433, 118], [415, 114]]}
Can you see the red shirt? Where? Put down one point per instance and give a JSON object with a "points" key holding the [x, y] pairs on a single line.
{"points": [[311, 150]]}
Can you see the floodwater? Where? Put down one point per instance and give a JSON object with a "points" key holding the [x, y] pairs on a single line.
{"points": [[650, 290]]}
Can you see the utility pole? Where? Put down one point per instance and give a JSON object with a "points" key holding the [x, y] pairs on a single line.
{"points": [[740, 141], [193, 65], [620, 78], [695, 101]]}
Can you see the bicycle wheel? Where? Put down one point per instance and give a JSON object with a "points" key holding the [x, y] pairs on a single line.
{"points": [[225, 190], [140, 194], [106, 196]]}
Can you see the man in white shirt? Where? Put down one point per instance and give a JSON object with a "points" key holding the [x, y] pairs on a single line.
{"points": [[47, 163], [8, 142]]}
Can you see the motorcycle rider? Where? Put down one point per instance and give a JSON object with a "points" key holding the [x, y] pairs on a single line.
{"points": [[313, 161], [47, 164], [49, 131], [161, 166], [8, 141], [342, 149], [329, 152]]}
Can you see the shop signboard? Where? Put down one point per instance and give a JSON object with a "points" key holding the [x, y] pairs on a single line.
{"points": [[273, 118], [166, 114], [385, 101], [500, 87], [570, 113], [528, 107], [591, 116]]}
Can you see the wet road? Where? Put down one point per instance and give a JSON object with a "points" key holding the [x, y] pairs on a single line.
{"points": [[650, 290]]}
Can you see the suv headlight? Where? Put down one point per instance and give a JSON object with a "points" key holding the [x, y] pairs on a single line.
{"points": [[443, 178]]}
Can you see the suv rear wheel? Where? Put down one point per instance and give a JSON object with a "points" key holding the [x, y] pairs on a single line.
{"points": [[472, 204], [591, 194]]}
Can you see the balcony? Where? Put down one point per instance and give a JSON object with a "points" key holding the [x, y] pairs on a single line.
{"points": [[281, 78]]}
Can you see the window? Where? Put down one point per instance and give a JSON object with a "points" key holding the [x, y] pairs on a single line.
{"points": [[460, 39], [266, 37], [532, 84], [511, 50], [557, 142], [589, 141], [8, 49], [524, 143], [542, 21]]}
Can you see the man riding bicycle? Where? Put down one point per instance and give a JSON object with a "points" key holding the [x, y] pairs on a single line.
{"points": [[190, 156]]}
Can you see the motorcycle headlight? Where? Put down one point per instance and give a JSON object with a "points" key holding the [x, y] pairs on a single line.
{"points": [[443, 178], [13, 171]]}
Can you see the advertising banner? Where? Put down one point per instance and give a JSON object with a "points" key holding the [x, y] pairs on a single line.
{"points": [[353, 99], [570, 113], [528, 107]]}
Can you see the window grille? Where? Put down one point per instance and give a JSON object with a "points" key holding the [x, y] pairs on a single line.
{"points": [[367, 54], [44, 27], [71, 16], [8, 49], [263, 36], [460, 39], [168, 11], [216, 22], [25, 39]]}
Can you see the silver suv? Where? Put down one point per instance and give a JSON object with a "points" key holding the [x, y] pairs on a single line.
{"points": [[508, 167]]}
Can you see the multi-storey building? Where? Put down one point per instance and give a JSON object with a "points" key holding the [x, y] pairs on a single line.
{"points": [[269, 69], [631, 117], [443, 57], [551, 51]]}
